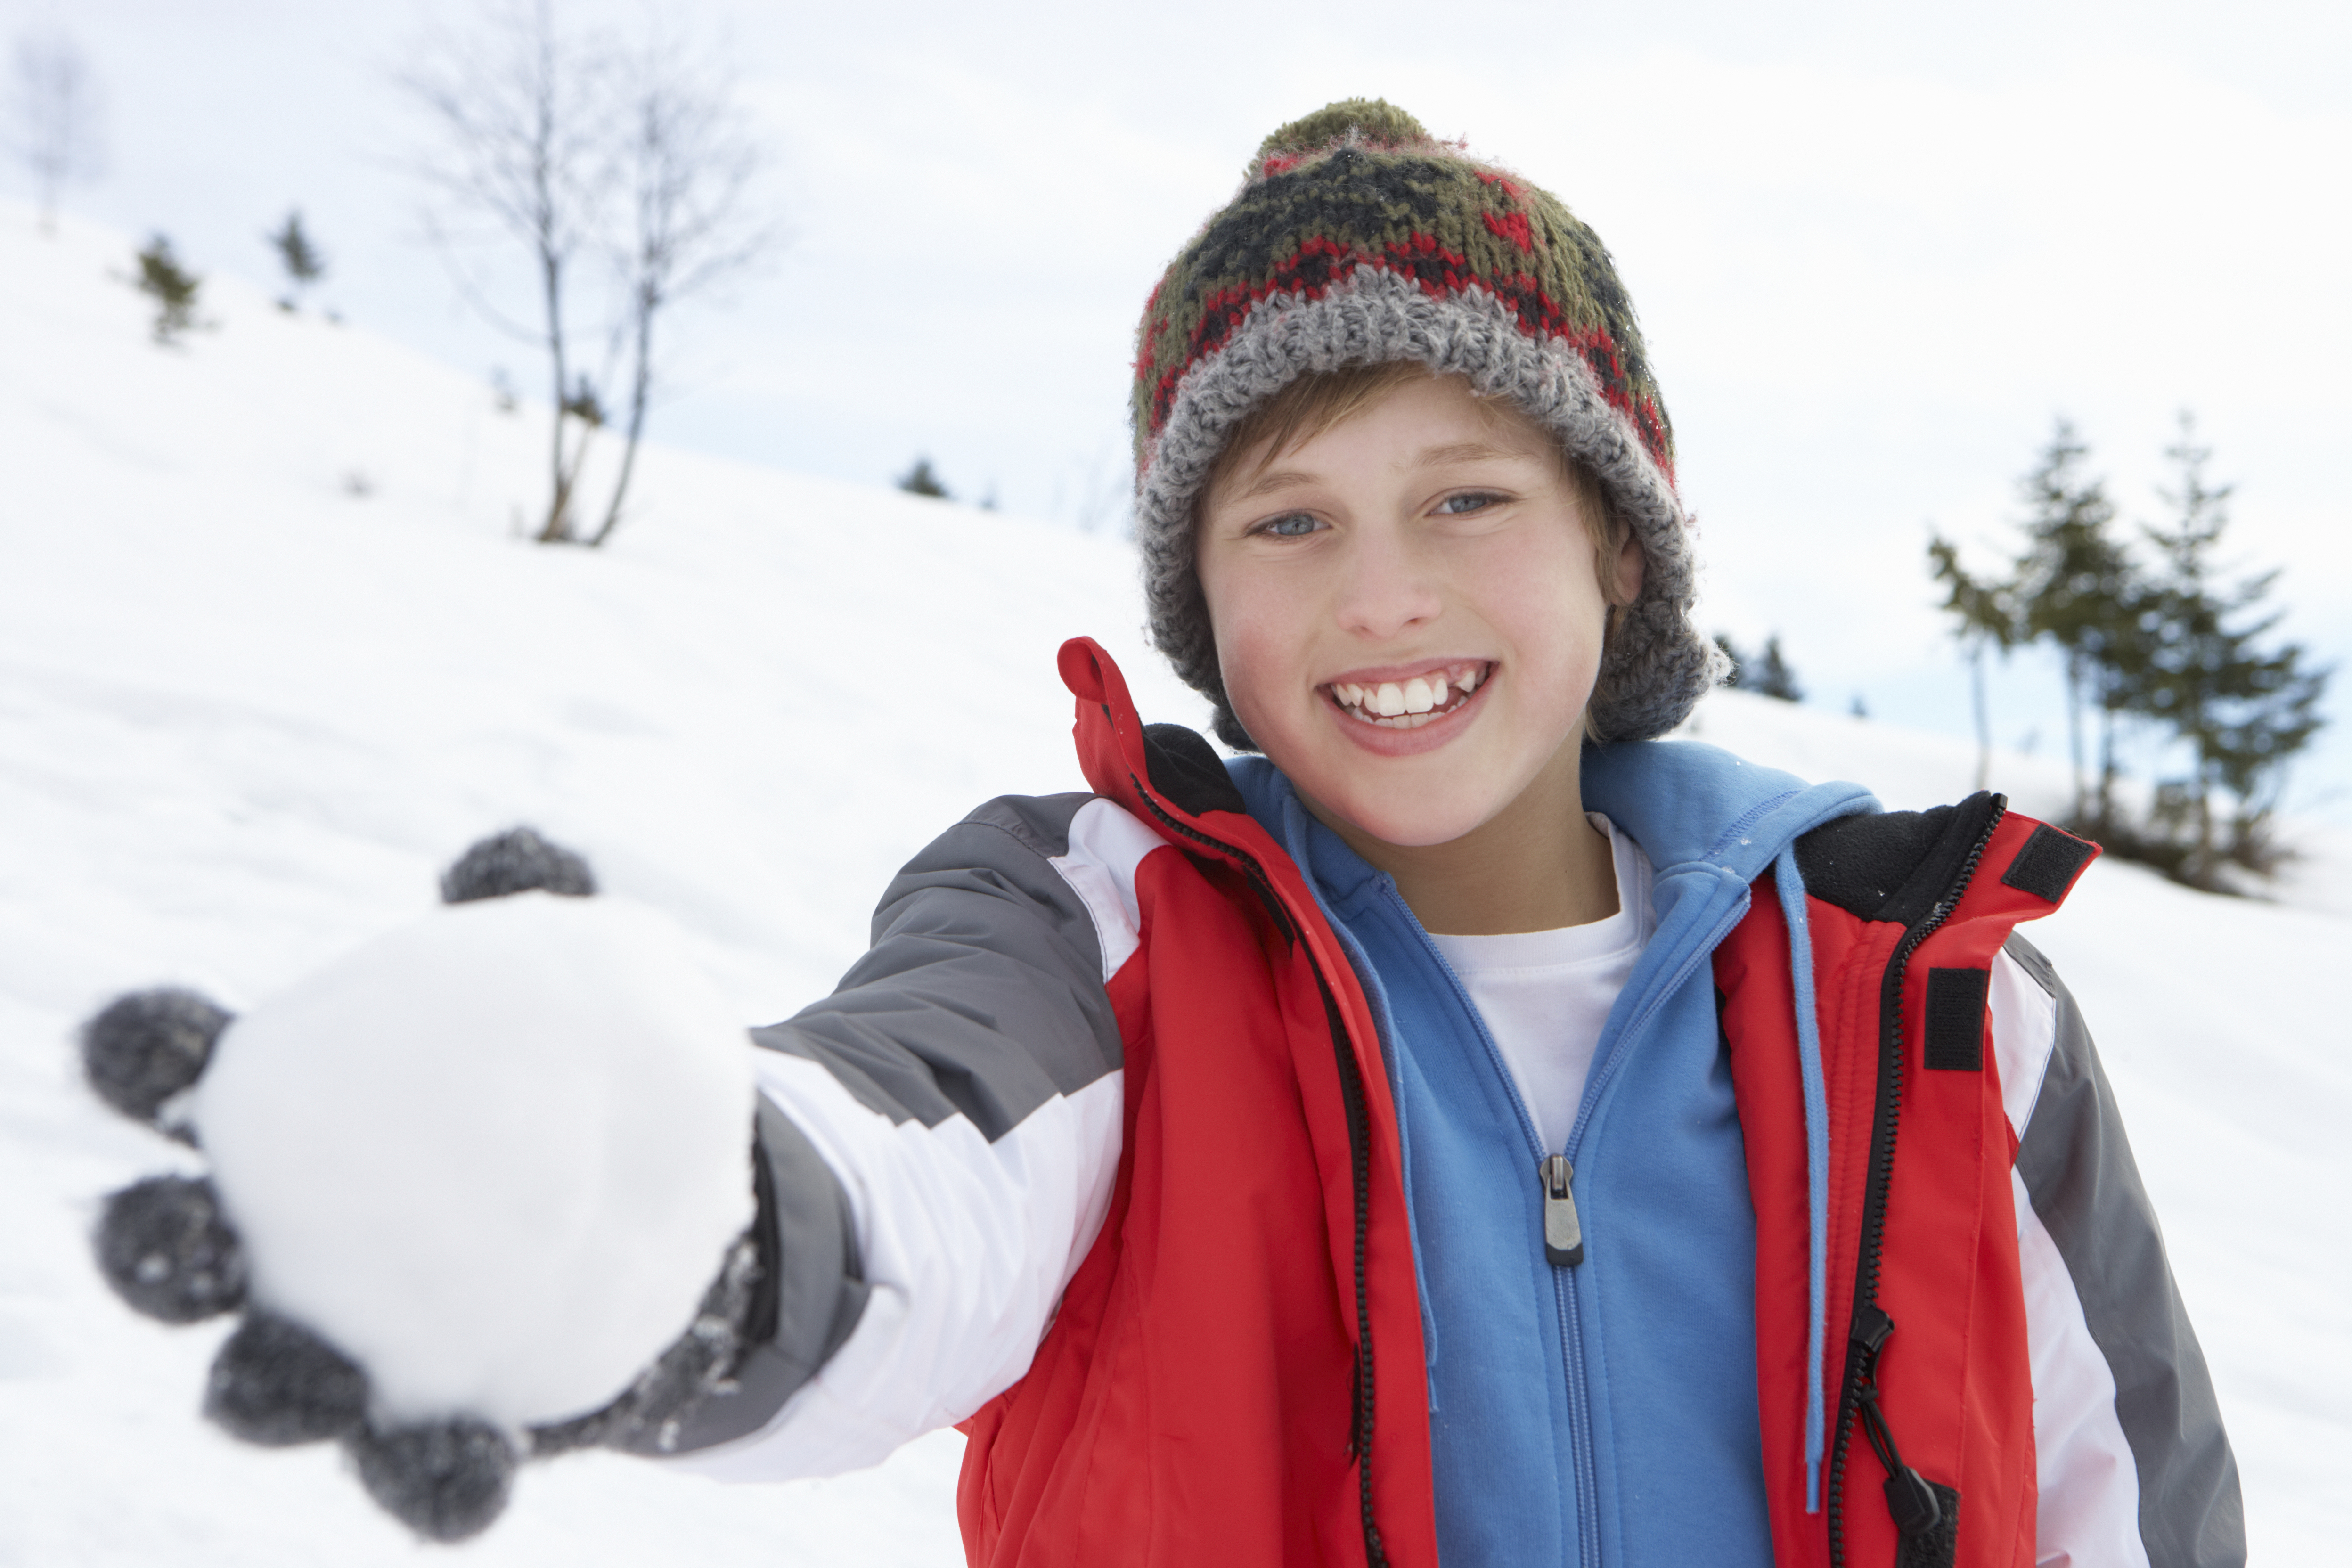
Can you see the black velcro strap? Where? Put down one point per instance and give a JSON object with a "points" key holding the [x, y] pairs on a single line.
{"points": [[1187, 771], [1956, 1019], [1940, 1547], [2046, 865]]}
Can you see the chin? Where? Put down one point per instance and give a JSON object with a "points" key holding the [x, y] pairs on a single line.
{"points": [[1409, 823]]}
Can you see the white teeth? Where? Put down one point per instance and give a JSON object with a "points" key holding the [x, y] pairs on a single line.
{"points": [[1408, 704]]}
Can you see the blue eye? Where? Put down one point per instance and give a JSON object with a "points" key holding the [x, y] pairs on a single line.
{"points": [[1467, 502], [1294, 525]]}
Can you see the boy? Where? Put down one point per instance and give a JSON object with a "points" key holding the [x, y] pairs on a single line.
{"points": [[1467, 1131]]}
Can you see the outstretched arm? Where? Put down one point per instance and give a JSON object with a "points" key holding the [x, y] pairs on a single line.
{"points": [[469, 1184], [943, 1132]]}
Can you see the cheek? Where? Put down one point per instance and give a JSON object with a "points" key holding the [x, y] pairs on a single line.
{"points": [[1545, 595], [1250, 626]]}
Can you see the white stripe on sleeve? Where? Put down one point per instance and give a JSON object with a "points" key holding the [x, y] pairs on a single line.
{"points": [[966, 1247], [1108, 842], [2089, 1511]]}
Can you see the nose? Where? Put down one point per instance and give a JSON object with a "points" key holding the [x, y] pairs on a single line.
{"points": [[1385, 586]]}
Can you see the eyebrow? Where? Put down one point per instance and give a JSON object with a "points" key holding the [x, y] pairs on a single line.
{"points": [[1277, 479]]}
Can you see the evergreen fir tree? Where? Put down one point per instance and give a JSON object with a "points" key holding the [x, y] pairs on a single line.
{"points": [[1768, 674], [172, 287], [2241, 710], [2074, 586], [1985, 611], [1774, 676], [303, 263], [920, 480]]}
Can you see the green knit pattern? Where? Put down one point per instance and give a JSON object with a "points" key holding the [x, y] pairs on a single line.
{"points": [[1358, 238], [1361, 185]]}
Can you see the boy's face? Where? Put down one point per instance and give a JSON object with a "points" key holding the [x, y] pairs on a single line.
{"points": [[1423, 538]]}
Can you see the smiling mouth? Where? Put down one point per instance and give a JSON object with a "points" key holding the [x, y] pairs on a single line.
{"points": [[1410, 704]]}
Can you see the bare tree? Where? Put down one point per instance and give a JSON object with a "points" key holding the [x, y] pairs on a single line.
{"points": [[626, 173], [56, 111], [520, 117]]}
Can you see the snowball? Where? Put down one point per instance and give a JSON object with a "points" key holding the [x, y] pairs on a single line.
{"points": [[496, 1157]]}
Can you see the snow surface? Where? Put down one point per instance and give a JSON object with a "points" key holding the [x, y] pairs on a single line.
{"points": [[496, 1155], [270, 655]]}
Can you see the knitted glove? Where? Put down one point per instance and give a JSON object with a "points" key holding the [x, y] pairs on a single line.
{"points": [[470, 1188]]}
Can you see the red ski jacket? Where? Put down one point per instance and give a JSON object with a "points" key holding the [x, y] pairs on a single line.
{"points": [[1187, 1394], [1230, 1367]]}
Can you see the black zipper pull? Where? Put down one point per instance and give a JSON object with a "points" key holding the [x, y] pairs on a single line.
{"points": [[1563, 1236], [1910, 1498]]}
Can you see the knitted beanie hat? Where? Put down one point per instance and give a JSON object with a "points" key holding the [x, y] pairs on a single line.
{"points": [[1356, 239]]}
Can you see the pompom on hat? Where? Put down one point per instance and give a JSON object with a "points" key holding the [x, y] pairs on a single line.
{"points": [[1359, 238]]}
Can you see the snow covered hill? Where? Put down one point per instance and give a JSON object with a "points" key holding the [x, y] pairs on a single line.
{"points": [[270, 654]]}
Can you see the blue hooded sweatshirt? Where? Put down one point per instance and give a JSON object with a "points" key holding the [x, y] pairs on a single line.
{"points": [[1603, 1412]]}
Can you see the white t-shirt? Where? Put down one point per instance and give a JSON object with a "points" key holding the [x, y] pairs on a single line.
{"points": [[1544, 995]]}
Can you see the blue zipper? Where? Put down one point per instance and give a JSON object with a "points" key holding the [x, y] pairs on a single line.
{"points": [[1580, 1423], [1563, 1281], [1564, 1297]]}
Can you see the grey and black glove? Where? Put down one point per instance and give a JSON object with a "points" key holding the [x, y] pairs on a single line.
{"points": [[469, 1187]]}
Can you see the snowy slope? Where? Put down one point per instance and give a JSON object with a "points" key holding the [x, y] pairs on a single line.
{"points": [[245, 714]]}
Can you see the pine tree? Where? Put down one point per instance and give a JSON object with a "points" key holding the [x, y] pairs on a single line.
{"points": [[2241, 710], [1768, 674], [303, 263], [920, 480], [1774, 676], [173, 289], [2074, 584], [1985, 611]]}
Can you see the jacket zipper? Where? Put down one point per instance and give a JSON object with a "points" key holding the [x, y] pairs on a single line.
{"points": [[1571, 1330], [1351, 1094], [1563, 1277], [1563, 1235], [1870, 1326], [1564, 1280]]}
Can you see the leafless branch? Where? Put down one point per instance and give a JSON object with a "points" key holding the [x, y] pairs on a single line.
{"points": [[692, 166], [619, 169]]}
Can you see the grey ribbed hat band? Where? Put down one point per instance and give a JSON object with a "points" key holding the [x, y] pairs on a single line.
{"points": [[1655, 665]]}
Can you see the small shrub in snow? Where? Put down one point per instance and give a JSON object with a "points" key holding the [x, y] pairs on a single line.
{"points": [[921, 480], [172, 288], [303, 263]]}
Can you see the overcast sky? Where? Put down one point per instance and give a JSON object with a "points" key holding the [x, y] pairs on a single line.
{"points": [[1874, 256]]}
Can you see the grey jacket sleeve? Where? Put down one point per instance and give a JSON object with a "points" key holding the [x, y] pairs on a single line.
{"points": [[937, 1141], [2077, 1171]]}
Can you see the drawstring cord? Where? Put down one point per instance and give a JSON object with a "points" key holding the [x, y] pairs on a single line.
{"points": [[1791, 883]]}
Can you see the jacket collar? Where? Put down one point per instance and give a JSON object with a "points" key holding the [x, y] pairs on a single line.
{"points": [[1692, 808]]}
